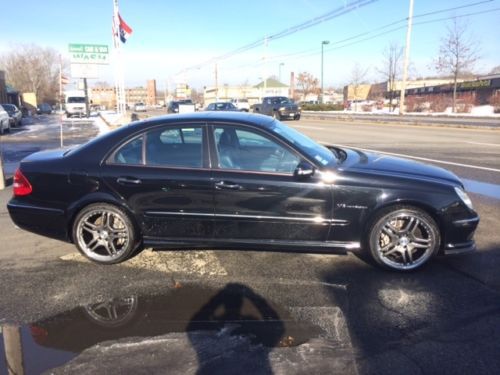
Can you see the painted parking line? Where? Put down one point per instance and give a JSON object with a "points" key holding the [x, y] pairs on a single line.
{"points": [[483, 144], [425, 159]]}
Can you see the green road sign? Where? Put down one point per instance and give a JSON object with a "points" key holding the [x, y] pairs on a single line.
{"points": [[88, 53]]}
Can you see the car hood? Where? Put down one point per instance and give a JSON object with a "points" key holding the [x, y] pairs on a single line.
{"points": [[371, 162]]}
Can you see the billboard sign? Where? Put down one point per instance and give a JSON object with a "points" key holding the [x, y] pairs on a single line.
{"points": [[89, 53]]}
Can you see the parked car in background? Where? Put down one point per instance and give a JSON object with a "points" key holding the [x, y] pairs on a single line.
{"points": [[4, 121], [14, 114], [140, 107], [173, 106], [244, 181], [44, 109], [279, 107], [221, 106], [241, 104]]}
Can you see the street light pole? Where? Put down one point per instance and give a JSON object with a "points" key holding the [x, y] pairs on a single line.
{"points": [[406, 60], [323, 43]]}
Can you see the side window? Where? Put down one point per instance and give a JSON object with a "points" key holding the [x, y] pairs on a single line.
{"points": [[175, 147], [130, 152], [252, 151]]}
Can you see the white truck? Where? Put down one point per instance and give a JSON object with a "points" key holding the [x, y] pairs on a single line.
{"points": [[75, 103]]}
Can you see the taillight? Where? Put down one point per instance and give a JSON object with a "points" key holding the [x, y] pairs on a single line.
{"points": [[21, 184]]}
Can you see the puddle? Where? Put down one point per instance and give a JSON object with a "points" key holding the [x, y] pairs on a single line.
{"points": [[189, 314], [483, 188]]}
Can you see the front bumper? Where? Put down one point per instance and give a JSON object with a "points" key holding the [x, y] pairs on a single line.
{"points": [[290, 113], [459, 236]]}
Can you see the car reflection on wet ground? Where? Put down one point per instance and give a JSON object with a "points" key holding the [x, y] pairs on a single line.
{"points": [[235, 315]]}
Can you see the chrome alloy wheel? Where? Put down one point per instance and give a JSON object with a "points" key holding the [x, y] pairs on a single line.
{"points": [[113, 313], [102, 235], [405, 240]]}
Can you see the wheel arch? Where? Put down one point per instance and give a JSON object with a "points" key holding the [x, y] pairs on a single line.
{"points": [[407, 203], [76, 207]]}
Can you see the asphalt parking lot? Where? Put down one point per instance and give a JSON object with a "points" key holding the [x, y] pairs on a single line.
{"points": [[266, 312]]}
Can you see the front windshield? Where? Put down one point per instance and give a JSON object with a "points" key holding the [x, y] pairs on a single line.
{"points": [[312, 149]]}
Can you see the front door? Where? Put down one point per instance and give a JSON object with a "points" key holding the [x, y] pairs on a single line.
{"points": [[257, 198]]}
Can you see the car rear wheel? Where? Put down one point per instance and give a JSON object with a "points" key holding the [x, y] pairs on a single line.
{"points": [[104, 234], [403, 239]]}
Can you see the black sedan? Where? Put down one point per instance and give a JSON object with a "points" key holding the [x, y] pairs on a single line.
{"points": [[221, 106], [240, 181]]}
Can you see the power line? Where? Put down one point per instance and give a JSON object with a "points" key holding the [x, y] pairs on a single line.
{"points": [[312, 52], [288, 31]]}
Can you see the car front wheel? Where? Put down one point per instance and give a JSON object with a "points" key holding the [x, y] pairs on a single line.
{"points": [[403, 239], [104, 234]]}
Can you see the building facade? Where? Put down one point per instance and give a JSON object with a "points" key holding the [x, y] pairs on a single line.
{"points": [[106, 96], [253, 94]]}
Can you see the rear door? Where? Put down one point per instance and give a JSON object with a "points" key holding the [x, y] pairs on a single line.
{"points": [[164, 178]]}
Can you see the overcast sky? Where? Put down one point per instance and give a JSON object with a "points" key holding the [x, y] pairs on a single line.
{"points": [[170, 36]]}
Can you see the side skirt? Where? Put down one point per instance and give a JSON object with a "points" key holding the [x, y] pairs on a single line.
{"points": [[331, 247]]}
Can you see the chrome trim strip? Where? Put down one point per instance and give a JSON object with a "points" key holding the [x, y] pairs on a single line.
{"points": [[466, 221], [317, 220]]}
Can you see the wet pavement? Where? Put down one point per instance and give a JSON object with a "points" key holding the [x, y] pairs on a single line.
{"points": [[483, 188]]}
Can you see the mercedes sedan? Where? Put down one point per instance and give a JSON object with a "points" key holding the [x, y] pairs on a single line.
{"points": [[239, 181]]}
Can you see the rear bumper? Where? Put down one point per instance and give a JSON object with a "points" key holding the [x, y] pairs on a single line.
{"points": [[50, 222]]}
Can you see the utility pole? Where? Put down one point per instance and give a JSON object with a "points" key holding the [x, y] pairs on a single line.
{"points": [[86, 90], [323, 43], [13, 349], [216, 83], [265, 70], [279, 75], [406, 59], [165, 93]]}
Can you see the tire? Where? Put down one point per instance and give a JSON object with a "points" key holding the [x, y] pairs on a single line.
{"points": [[297, 118], [104, 234], [403, 238]]}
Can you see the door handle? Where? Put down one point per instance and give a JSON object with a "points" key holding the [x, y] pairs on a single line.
{"points": [[227, 185], [128, 181]]}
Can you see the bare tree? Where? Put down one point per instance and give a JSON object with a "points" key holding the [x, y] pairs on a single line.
{"points": [[495, 70], [358, 76], [307, 84], [31, 68], [458, 53], [391, 68]]}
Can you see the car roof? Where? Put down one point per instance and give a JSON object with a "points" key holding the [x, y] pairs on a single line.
{"points": [[241, 117]]}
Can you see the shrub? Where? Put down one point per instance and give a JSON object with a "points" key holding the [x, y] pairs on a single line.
{"points": [[322, 107]]}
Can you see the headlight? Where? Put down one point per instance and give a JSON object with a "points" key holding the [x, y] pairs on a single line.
{"points": [[464, 197], [282, 109]]}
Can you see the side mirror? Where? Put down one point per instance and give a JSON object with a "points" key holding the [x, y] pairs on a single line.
{"points": [[304, 170]]}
